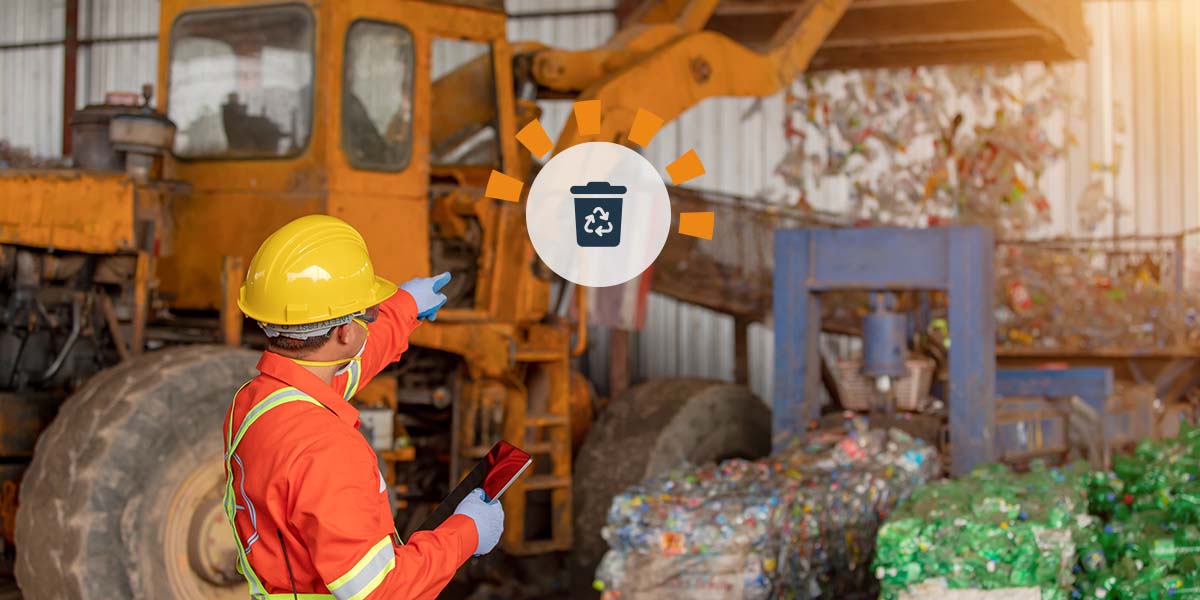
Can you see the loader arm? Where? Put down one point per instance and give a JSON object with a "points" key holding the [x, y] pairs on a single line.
{"points": [[665, 62]]}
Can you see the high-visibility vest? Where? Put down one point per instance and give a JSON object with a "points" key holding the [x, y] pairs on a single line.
{"points": [[278, 398]]}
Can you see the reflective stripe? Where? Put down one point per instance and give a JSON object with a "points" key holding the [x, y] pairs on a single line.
{"points": [[288, 394], [353, 378], [364, 577], [277, 398], [256, 588], [229, 433], [290, 596], [249, 506]]}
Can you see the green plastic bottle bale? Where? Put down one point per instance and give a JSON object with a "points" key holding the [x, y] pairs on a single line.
{"points": [[993, 529], [1149, 505], [1135, 529]]}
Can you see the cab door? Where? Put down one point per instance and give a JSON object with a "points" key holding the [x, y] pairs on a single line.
{"points": [[377, 79]]}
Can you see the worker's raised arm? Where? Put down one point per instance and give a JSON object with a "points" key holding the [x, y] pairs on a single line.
{"points": [[389, 332], [416, 300], [340, 514]]}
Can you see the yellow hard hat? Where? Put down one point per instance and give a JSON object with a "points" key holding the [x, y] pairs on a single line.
{"points": [[311, 270]]}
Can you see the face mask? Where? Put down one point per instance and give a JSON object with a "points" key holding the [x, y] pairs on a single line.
{"points": [[348, 361]]}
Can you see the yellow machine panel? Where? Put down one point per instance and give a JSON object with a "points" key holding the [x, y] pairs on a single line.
{"points": [[68, 210]]}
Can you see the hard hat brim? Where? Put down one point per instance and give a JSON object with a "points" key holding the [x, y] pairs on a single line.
{"points": [[381, 290]]}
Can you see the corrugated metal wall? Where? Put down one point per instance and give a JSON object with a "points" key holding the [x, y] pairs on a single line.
{"points": [[108, 66], [1144, 70], [31, 78]]}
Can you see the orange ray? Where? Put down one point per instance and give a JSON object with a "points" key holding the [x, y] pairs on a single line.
{"points": [[685, 167], [503, 187], [696, 224], [645, 125], [587, 117], [533, 136]]}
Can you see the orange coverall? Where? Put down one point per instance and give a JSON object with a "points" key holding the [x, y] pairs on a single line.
{"points": [[305, 471]]}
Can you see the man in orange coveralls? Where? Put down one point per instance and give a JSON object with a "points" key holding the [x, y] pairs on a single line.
{"points": [[304, 495]]}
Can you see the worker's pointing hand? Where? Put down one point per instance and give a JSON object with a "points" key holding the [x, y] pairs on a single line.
{"points": [[488, 517], [426, 291]]}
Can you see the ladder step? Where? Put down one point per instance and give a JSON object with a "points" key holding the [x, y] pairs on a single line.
{"points": [[539, 447], [545, 419], [530, 447], [546, 482], [405, 454], [540, 546], [539, 355]]}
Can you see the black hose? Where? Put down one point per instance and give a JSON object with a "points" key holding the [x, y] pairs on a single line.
{"points": [[288, 563], [12, 375], [76, 327]]}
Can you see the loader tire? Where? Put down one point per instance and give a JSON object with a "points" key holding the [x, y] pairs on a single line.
{"points": [[115, 475], [647, 431]]}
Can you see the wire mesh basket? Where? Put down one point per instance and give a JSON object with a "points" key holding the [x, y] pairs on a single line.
{"points": [[857, 391], [1118, 294]]}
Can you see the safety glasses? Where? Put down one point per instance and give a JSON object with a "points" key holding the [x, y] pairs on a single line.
{"points": [[369, 315]]}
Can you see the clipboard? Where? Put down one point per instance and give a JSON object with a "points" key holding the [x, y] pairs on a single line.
{"points": [[497, 471]]}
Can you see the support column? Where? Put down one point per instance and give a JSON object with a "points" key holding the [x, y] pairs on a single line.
{"points": [[797, 329], [70, 60], [972, 386]]}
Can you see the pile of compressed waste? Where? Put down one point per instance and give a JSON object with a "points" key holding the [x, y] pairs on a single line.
{"points": [[800, 524], [990, 530], [1149, 545], [1132, 533]]}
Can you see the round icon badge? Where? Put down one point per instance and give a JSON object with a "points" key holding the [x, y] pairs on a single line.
{"points": [[598, 214]]}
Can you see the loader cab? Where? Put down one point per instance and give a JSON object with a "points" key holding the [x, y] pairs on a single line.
{"points": [[344, 107]]}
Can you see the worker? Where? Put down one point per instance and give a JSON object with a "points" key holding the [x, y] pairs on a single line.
{"points": [[304, 495]]}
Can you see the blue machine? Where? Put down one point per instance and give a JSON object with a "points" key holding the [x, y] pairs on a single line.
{"points": [[957, 260]]}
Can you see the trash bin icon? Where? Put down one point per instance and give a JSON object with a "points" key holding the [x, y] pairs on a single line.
{"points": [[598, 214]]}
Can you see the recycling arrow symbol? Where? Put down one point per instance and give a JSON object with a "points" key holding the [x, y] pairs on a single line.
{"points": [[589, 223]]}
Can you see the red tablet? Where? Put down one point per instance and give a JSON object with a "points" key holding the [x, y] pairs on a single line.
{"points": [[497, 471], [505, 463]]}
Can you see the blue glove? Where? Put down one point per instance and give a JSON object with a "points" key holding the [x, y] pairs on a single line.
{"points": [[488, 517], [426, 291]]}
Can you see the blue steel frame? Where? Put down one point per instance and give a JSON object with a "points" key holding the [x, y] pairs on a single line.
{"points": [[958, 260]]}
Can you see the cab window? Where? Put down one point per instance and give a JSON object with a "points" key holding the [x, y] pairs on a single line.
{"points": [[377, 96], [463, 127], [241, 82]]}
